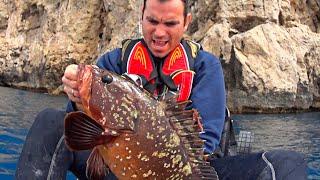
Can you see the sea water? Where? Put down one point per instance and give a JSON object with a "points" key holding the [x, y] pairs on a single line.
{"points": [[299, 132]]}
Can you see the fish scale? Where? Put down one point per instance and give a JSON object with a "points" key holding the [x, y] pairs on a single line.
{"points": [[133, 134]]}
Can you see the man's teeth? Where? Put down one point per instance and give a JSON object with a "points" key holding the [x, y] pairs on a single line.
{"points": [[160, 43]]}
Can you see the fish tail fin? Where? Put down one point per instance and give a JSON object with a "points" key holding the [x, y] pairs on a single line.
{"points": [[96, 168], [83, 133]]}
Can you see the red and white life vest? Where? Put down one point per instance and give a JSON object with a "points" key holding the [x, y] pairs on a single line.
{"points": [[176, 71]]}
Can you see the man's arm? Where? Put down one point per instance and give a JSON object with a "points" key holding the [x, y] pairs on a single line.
{"points": [[208, 97], [110, 61]]}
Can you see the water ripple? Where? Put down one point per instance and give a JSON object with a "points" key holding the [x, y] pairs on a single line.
{"points": [[16, 117]]}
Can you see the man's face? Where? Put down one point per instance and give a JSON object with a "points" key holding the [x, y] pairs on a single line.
{"points": [[163, 25]]}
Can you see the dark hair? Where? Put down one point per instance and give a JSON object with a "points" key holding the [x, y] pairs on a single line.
{"points": [[185, 9]]}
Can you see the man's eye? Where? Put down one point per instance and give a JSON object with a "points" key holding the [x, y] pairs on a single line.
{"points": [[153, 22], [170, 24]]}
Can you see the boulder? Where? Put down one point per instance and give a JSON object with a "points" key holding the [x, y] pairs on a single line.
{"points": [[270, 69]]}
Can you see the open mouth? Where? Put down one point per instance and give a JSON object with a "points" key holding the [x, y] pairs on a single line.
{"points": [[159, 43]]}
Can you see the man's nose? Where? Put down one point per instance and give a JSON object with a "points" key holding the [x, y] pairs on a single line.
{"points": [[159, 31]]}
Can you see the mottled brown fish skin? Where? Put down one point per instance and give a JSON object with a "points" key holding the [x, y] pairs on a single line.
{"points": [[147, 146], [154, 153]]}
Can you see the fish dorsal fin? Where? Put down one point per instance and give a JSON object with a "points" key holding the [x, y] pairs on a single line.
{"points": [[96, 168], [177, 106], [187, 124], [83, 133]]}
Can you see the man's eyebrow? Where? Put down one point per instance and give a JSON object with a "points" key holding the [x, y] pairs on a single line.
{"points": [[170, 21], [151, 18]]}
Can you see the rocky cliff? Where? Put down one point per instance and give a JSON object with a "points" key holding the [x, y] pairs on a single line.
{"points": [[269, 49]]}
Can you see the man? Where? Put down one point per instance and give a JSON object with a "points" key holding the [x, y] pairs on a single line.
{"points": [[163, 25]]}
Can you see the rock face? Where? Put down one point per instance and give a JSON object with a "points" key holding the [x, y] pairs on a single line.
{"points": [[269, 49], [270, 68], [39, 38]]}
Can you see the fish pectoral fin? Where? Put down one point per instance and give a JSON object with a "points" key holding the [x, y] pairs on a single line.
{"points": [[96, 167], [83, 133]]}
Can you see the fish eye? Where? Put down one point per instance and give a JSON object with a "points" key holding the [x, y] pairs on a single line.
{"points": [[106, 79]]}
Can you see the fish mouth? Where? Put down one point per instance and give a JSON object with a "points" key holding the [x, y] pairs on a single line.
{"points": [[84, 82]]}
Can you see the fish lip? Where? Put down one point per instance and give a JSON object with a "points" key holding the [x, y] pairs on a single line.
{"points": [[80, 74], [84, 83]]}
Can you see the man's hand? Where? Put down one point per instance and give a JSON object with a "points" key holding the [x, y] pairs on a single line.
{"points": [[70, 84]]}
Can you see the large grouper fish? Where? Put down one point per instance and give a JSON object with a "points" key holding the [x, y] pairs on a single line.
{"points": [[133, 134]]}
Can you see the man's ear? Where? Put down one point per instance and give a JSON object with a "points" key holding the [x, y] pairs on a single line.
{"points": [[188, 20]]}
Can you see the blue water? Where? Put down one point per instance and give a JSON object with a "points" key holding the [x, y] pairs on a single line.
{"points": [[18, 108], [298, 132]]}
